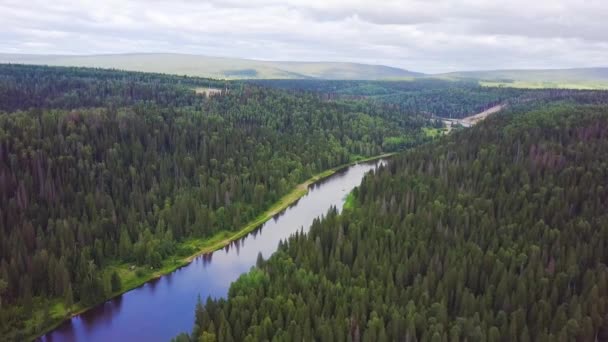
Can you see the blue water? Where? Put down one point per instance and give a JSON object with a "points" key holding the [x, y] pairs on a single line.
{"points": [[161, 309]]}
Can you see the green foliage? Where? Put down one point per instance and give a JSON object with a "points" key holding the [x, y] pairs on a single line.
{"points": [[26, 86], [432, 132], [498, 232], [397, 143], [349, 203], [101, 168], [421, 96], [116, 282], [429, 96], [252, 280], [69, 297]]}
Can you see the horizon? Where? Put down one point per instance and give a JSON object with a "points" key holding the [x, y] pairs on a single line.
{"points": [[316, 169], [293, 61], [428, 37]]}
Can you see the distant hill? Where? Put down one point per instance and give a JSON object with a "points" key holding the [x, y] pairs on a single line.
{"points": [[235, 68], [219, 67], [584, 78]]}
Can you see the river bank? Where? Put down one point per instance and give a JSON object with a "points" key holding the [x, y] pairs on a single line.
{"points": [[132, 278]]}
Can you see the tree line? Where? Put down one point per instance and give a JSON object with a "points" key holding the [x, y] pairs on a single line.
{"points": [[436, 97], [99, 167], [494, 233]]}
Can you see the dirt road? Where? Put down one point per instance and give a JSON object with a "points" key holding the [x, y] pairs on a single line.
{"points": [[473, 119]]}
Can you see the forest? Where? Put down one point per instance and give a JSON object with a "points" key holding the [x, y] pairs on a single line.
{"points": [[433, 97], [109, 177], [494, 233], [102, 171]]}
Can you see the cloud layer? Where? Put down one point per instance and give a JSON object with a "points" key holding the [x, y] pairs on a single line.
{"points": [[428, 36]]}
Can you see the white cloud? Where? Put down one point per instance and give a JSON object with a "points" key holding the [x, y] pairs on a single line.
{"points": [[429, 36]]}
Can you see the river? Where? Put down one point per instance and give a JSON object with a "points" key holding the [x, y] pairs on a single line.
{"points": [[162, 308]]}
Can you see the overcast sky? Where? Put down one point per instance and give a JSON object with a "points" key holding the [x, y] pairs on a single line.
{"points": [[427, 36]]}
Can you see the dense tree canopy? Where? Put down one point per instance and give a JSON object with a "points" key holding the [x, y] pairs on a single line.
{"points": [[437, 97], [25, 86], [101, 166], [495, 233]]}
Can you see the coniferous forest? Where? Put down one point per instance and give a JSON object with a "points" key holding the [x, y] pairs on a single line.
{"points": [[498, 232], [299, 171], [102, 168], [448, 99], [494, 233]]}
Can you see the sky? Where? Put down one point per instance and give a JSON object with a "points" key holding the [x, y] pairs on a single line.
{"points": [[425, 36]]}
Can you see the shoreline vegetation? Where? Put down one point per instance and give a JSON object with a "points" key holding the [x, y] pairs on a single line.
{"points": [[514, 249], [133, 279]]}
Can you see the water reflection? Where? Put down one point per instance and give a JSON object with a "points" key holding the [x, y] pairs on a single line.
{"points": [[102, 315], [164, 307]]}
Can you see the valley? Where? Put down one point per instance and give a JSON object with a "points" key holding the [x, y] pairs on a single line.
{"points": [[213, 270], [197, 177], [295, 171], [127, 192], [476, 247]]}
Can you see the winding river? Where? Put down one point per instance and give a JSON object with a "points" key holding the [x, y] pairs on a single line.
{"points": [[164, 307]]}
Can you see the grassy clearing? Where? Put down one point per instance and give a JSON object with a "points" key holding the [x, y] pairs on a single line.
{"points": [[350, 201], [547, 85], [133, 277], [433, 132]]}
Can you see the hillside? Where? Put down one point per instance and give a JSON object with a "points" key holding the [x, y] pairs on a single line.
{"points": [[236, 68], [433, 96], [107, 177], [495, 233], [217, 67], [581, 78]]}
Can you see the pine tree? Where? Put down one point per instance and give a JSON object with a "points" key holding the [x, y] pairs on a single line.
{"points": [[116, 282], [68, 298], [3, 287]]}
